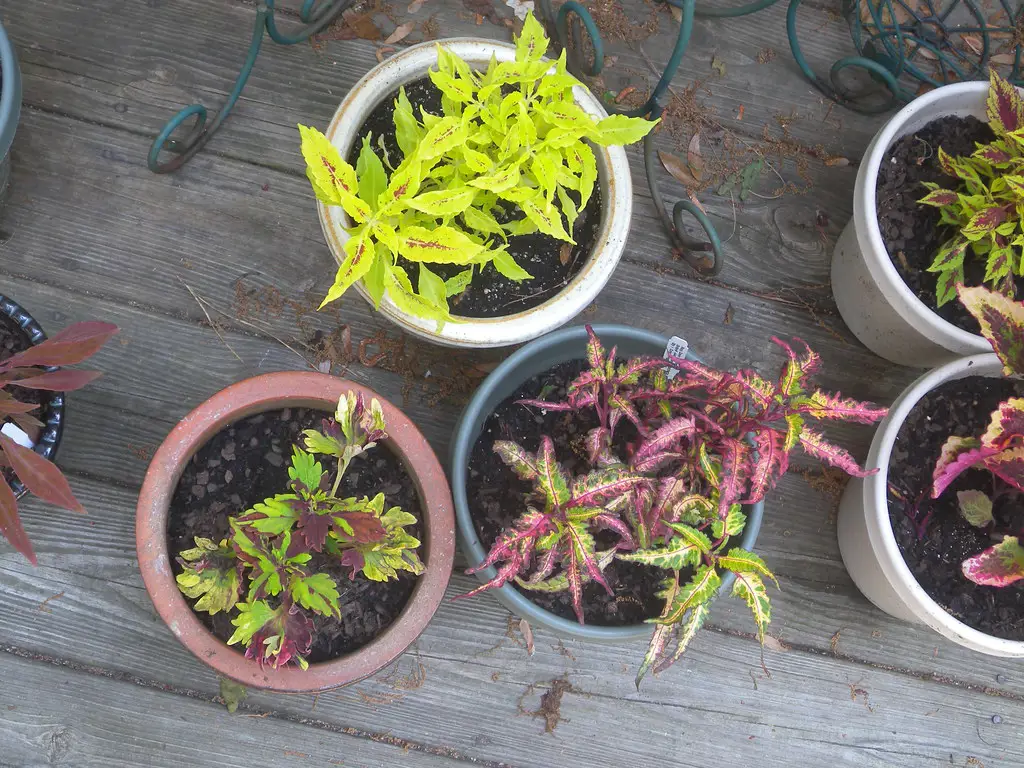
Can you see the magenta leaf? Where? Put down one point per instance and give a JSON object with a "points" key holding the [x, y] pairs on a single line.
{"points": [[603, 485], [551, 478], [40, 476], [59, 381], [817, 446], [72, 345], [822, 405], [958, 455], [1008, 464], [1006, 425], [997, 566], [519, 460]]}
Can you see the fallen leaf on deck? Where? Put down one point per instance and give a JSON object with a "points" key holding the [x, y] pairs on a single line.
{"points": [[401, 32], [361, 26], [694, 158], [729, 312], [524, 627], [770, 642], [973, 42], [677, 13], [739, 115], [675, 166], [233, 693], [718, 65], [384, 52], [837, 162], [624, 93], [415, 5], [1003, 59], [745, 178], [695, 201]]}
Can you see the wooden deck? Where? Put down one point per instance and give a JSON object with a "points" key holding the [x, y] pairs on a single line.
{"points": [[89, 676]]}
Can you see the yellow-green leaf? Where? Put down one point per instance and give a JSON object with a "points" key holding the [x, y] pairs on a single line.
{"points": [[619, 129], [444, 202], [500, 181], [444, 245], [456, 285], [401, 293], [547, 218], [447, 133], [532, 43], [373, 280], [481, 222], [370, 173], [359, 259], [330, 175], [408, 131], [507, 266]]}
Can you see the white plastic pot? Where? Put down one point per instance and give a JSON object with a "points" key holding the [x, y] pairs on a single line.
{"points": [[613, 176], [866, 540], [887, 317]]}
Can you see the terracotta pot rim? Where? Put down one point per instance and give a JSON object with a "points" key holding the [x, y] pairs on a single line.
{"points": [[264, 393]]}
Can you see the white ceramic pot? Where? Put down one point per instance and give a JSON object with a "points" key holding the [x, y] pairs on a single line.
{"points": [[866, 540], [613, 175], [887, 317]]}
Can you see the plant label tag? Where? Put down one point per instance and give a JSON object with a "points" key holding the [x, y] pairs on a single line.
{"points": [[676, 347], [17, 434]]}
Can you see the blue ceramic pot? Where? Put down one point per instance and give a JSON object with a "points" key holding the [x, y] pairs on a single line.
{"points": [[10, 105], [532, 359]]}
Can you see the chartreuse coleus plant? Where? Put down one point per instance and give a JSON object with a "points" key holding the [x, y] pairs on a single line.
{"points": [[508, 155], [267, 571], [999, 450], [986, 209], [669, 494]]}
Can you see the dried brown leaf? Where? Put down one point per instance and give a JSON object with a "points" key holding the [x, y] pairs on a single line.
{"points": [[624, 93], [564, 252], [383, 52], [678, 168], [694, 158], [524, 628], [774, 644], [415, 5], [837, 162], [401, 32]]}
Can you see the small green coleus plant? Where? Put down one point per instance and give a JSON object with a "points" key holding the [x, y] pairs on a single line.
{"points": [[987, 208], [267, 571], [508, 155], [999, 450], [670, 494]]}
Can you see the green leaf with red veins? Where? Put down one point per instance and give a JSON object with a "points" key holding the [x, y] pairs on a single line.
{"points": [[938, 197], [551, 479], [701, 587], [975, 508], [750, 587], [822, 405], [678, 553], [997, 566], [951, 255], [1004, 105], [532, 43], [604, 485], [948, 283], [997, 153], [957, 456], [441, 244], [1002, 324], [518, 459], [816, 446], [359, 250]]}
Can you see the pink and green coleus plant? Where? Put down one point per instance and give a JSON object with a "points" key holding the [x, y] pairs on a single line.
{"points": [[267, 574], [670, 489], [999, 450]]}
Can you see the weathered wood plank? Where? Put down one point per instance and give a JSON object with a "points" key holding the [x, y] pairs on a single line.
{"points": [[133, 79], [55, 715], [466, 696]]}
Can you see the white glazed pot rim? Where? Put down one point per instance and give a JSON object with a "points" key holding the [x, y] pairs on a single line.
{"points": [[865, 211], [573, 298], [883, 541]]}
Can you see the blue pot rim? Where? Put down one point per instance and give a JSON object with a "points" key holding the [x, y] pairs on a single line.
{"points": [[51, 411], [478, 409], [10, 92]]}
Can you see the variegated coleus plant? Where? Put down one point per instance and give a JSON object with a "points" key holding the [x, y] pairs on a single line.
{"points": [[266, 572], [508, 155], [999, 450], [706, 442], [986, 209]]}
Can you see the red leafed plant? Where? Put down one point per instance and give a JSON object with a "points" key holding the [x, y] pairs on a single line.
{"points": [[706, 442], [999, 450], [72, 345]]}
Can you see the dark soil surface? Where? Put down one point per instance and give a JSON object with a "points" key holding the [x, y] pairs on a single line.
{"points": [[248, 462], [12, 341], [945, 539], [911, 232], [491, 294], [496, 494]]}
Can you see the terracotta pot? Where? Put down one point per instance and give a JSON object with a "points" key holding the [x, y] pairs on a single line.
{"points": [[265, 393]]}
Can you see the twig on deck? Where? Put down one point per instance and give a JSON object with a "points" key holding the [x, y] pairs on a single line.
{"points": [[209, 319]]}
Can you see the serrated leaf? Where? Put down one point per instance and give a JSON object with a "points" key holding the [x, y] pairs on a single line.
{"points": [[741, 561], [699, 589], [445, 245], [1002, 324], [678, 554], [547, 218], [358, 260], [750, 587], [620, 129], [444, 202], [370, 173], [975, 508], [445, 135], [1004, 105], [532, 43]]}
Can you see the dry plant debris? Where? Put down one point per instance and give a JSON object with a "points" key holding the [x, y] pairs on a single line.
{"points": [[550, 709]]}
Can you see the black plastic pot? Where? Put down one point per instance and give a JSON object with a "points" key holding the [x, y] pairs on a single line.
{"points": [[51, 412], [534, 358]]}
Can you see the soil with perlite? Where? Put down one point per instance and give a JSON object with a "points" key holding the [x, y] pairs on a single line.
{"points": [[911, 232], [12, 341], [551, 263], [932, 536], [496, 496], [247, 462]]}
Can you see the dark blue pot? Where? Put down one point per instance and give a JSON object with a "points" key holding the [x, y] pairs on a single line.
{"points": [[10, 105], [532, 359], [51, 412]]}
